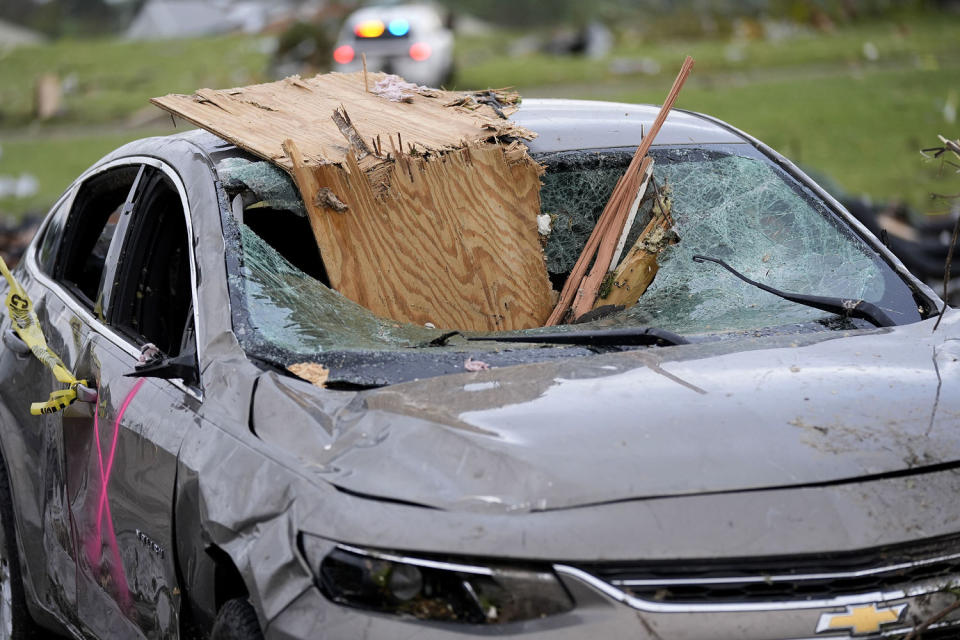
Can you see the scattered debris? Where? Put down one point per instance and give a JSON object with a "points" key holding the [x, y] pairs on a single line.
{"points": [[497, 99], [632, 277], [47, 96], [327, 199], [544, 224], [953, 146], [23, 186], [396, 89], [475, 365], [149, 354], [314, 373]]}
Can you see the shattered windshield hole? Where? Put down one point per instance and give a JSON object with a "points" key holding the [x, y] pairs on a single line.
{"points": [[267, 201], [726, 201]]}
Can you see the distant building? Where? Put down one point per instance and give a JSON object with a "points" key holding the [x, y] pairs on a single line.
{"points": [[160, 19], [12, 36]]}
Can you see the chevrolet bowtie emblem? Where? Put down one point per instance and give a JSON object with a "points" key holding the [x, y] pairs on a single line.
{"points": [[860, 619]]}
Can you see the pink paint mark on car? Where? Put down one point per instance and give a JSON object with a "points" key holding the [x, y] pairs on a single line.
{"points": [[95, 544]]}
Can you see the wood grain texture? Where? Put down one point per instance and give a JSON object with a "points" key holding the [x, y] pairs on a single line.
{"points": [[438, 225], [449, 239], [260, 117]]}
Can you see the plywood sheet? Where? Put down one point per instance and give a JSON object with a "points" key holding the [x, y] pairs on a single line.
{"points": [[419, 212], [260, 117], [451, 240]]}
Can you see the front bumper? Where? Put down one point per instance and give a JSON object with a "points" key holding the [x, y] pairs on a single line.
{"points": [[604, 611]]}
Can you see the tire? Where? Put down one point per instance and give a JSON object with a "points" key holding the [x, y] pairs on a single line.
{"points": [[15, 620], [236, 621]]}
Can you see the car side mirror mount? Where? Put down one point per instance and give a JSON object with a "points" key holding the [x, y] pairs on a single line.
{"points": [[183, 366]]}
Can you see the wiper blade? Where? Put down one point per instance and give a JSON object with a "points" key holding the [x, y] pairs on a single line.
{"points": [[620, 337], [840, 306]]}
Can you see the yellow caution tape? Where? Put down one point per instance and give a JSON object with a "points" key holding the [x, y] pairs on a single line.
{"points": [[27, 326]]}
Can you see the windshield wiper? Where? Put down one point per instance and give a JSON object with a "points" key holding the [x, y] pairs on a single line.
{"points": [[621, 337], [840, 306]]}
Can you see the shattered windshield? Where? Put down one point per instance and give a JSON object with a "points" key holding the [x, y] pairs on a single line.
{"points": [[728, 202]]}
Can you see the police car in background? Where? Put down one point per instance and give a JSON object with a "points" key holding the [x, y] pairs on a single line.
{"points": [[412, 40]]}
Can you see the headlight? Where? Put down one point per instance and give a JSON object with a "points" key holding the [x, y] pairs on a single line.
{"points": [[442, 591]]}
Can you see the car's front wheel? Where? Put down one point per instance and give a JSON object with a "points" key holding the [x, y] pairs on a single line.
{"points": [[236, 621], [15, 620]]}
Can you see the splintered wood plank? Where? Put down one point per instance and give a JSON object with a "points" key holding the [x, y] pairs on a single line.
{"points": [[581, 288], [450, 239], [260, 117], [635, 274]]}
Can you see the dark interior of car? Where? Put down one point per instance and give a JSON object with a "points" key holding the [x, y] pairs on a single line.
{"points": [[292, 237], [90, 229], [154, 300]]}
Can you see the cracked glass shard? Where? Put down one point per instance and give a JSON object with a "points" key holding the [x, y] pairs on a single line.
{"points": [[269, 186], [295, 312]]}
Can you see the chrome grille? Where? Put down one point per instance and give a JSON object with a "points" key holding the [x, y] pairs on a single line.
{"points": [[787, 578]]}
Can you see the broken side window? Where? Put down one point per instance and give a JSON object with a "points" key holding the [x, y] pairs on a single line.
{"points": [[154, 298], [89, 229]]}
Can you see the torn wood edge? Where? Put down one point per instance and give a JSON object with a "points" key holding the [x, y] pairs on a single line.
{"points": [[646, 248], [631, 217], [342, 119]]}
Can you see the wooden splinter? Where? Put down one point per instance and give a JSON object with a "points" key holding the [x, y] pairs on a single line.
{"points": [[638, 269]]}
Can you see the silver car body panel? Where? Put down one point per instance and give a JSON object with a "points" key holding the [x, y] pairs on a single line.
{"points": [[779, 446]]}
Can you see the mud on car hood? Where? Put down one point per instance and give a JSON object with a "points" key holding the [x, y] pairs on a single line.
{"points": [[660, 422]]}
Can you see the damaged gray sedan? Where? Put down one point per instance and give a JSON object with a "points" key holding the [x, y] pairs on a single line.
{"points": [[720, 460]]}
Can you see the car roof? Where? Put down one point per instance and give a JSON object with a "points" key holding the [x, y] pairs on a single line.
{"points": [[563, 125]]}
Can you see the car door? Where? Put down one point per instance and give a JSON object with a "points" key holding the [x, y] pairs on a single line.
{"points": [[62, 279], [123, 469]]}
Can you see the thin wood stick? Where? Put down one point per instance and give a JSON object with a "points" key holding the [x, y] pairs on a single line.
{"points": [[952, 146], [366, 85], [581, 292], [937, 617], [946, 272]]}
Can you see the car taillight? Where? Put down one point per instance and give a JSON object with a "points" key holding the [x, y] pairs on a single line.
{"points": [[420, 51], [343, 54]]}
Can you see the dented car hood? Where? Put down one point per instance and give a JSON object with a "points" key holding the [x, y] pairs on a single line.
{"points": [[692, 419]]}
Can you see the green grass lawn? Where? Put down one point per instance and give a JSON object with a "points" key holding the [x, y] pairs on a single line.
{"points": [[864, 129], [813, 96], [114, 78], [921, 40], [55, 161]]}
